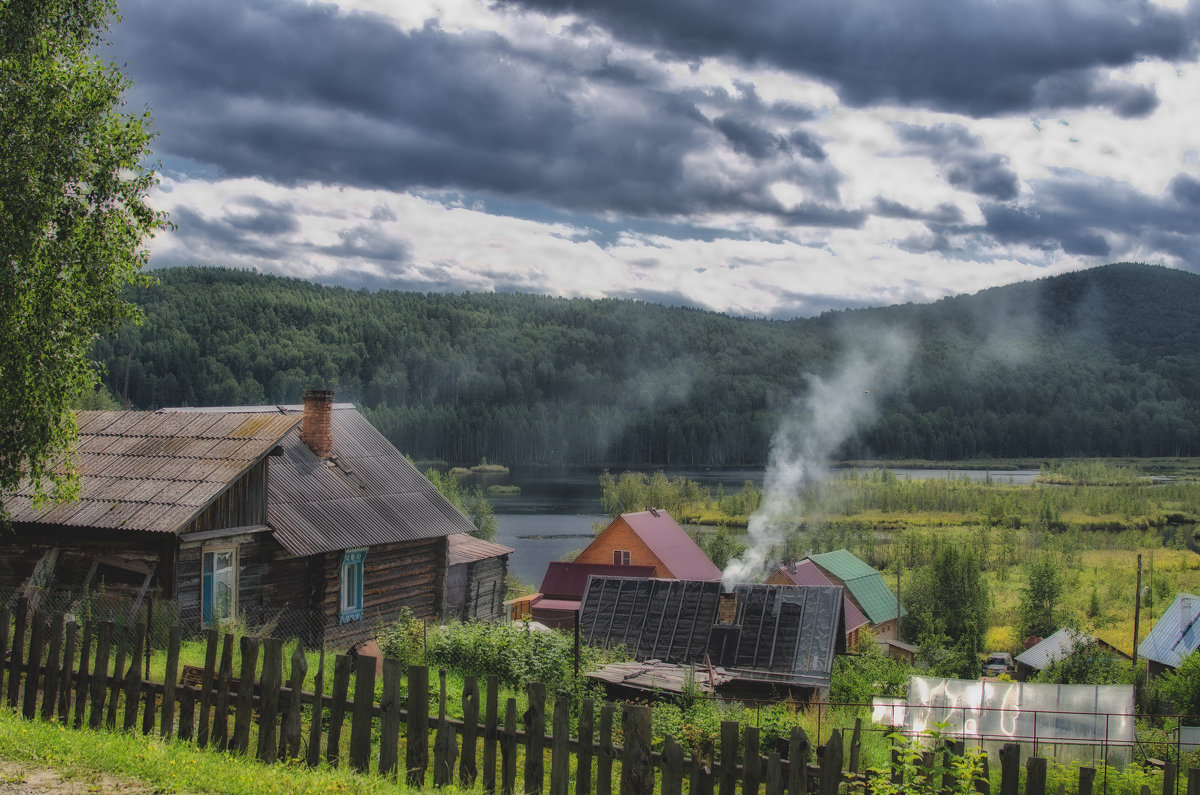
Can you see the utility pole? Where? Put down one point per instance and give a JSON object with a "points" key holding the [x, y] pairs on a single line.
{"points": [[1137, 610], [898, 564]]}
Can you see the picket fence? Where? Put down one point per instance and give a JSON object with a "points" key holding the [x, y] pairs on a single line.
{"points": [[60, 671]]}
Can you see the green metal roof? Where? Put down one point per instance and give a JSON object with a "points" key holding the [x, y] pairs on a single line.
{"points": [[866, 585]]}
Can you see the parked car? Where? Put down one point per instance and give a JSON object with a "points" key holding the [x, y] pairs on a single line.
{"points": [[998, 662]]}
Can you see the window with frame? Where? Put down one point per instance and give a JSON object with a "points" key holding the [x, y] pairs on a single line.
{"points": [[218, 584], [352, 584], [620, 557]]}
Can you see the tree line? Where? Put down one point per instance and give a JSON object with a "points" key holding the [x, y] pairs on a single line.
{"points": [[1096, 363]]}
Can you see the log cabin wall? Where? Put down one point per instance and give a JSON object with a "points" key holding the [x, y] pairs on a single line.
{"points": [[23, 546], [255, 555], [619, 535], [486, 587], [395, 576], [243, 504]]}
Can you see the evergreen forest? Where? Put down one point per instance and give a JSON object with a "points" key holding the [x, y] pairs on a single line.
{"points": [[1102, 362]]}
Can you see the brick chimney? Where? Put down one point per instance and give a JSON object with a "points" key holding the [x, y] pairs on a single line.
{"points": [[315, 430]]}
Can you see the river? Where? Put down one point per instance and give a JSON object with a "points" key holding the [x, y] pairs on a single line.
{"points": [[556, 512]]}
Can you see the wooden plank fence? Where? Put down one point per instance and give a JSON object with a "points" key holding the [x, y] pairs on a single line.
{"points": [[40, 666]]}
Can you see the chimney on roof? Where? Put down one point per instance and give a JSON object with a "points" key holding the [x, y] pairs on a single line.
{"points": [[315, 430], [1185, 615]]}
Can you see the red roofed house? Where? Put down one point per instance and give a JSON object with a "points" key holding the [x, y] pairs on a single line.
{"points": [[807, 573], [563, 587], [651, 538]]}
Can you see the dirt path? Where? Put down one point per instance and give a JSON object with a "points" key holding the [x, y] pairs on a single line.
{"points": [[18, 777]]}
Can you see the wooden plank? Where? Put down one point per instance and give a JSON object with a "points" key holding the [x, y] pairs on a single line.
{"points": [[672, 767], [774, 774], [150, 711], [170, 674], [508, 749], [702, 780], [1193, 781], [983, 779], [117, 681], [84, 681], [727, 779], [243, 714], [66, 679], [799, 750], [1170, 778], [583, 760], [337, 709], [1035, 776], [289, 735], [360, 721], [608, 752], [830, 758], [313, 757], [206, 686], [1087, 778], [100, 674], [491, 723], [416, 755], [133, 679], [220, 721], [560, 745], [37, 645], [444, 743], [389, 718], [752, 762], [467, 769], [5, 620], [17, 653], [952, 749], [187, 716], [535, 739], [637, 769], [1010, 768], [267, 749], [856, 745]]}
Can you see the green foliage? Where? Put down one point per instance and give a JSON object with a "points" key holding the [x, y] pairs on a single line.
{"points": [[472, 502], [949, 599], [942, 774], [1087, 664], [1040, 604], [859, 677], [638, 491], [721, 546], [73, 218], [1181, 688]]}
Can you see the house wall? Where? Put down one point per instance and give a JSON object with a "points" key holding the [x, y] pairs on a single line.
{"points": [[395, 576], [619, 535], [487, 584], [24, 546], [244, 503]]}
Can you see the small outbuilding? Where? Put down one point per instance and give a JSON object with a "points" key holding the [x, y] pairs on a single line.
{"points": [[1059, 646], [866, 588], [1173, 637], [476, 579]]}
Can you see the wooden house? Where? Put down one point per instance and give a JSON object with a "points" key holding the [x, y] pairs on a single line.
{"points": [[747, 641], [1062, 644], [1173, 637], [557, 602], [304, 517], [650, 538], [866, 589], [476, 579], [806, 572]]}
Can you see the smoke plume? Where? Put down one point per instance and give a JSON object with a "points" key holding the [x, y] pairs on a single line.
{"points": [[833, 408]]}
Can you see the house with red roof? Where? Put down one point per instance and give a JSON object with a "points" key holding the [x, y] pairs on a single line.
{"points": [[651, 538], [563, 587], [806, 572]]}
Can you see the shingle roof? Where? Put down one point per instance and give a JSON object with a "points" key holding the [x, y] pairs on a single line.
{"points": [[468, 549], [570, 579], [805, 572], [780, 633], [1176, 634], [672, 545], [866, 585], [155, 471], [1056, 647]]}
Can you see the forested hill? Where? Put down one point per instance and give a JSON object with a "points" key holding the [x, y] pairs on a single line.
{"points": [[1100, 362]]}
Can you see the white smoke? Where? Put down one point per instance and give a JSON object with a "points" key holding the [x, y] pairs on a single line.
{"points": [[818, 423]]}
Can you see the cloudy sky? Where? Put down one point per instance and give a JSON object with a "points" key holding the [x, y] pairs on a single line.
{"points": [[762, 157]]}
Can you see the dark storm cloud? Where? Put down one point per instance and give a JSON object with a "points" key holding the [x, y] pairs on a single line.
{"points": [[942, 214], [966, 56], [961, 158], [297, 93], [249, 224]]}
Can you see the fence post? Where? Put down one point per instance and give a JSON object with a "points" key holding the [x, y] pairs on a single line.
{"points": [[67, 676], [467, 769], [1193, 781], [133, 679], [84, 682], [337, 709], [535, 738], [1010, 768], [289, 736], [491, 720], [560, 745], [206, 687], [1035, 776], [220, 729], [508, 749], [672, 767], [244, 712], [829, 756], [727, 781], [607, 751], [18, 650], [389, 719], [313, 757], [856, 745], [116, 682], [37, 641], [1087, 775], [1171, 772], [5, 618], [416, 757], [798, 751], [637, 771], [583, 763], [983, 781], [774, 774], [360, 721], [751, 763], [268, 700], [444, 741], [100, 674]]}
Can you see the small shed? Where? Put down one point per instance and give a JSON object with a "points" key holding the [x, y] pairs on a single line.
{"points": [[1060, 645], [867, 590], [651, 538], [806, 572], [1173, 637], [563, 586], [476, 579], [765, 638]]}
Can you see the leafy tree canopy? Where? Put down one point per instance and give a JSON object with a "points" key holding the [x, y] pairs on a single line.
{"points": [[73, 218]]}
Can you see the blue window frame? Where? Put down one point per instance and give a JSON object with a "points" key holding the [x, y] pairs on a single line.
{"points": [[218, 584], [352, 584]]}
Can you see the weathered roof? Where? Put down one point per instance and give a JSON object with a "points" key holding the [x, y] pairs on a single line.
{"points": [[805, 572], [1176, 634], [1056, 647], [155, 471], [569, 580], [779, 633], [468, 549], [866, 585], [672, 545], [542, 603]]}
